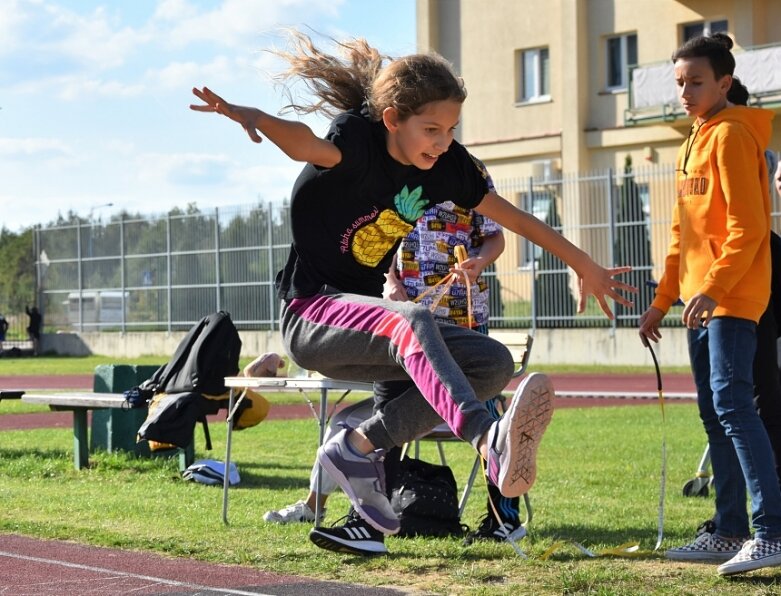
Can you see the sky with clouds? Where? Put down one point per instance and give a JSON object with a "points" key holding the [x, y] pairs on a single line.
{"points": [[94, 99]]}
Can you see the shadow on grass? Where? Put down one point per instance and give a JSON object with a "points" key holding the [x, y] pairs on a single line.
{"points": [[272, 466], [754, 580], [254, 481], [16, 454]]}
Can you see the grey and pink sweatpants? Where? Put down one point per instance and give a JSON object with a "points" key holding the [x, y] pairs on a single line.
{"points": [[361, 338]]}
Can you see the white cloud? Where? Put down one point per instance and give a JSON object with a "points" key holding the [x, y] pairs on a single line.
{"points": [[183, 75], [75, 88], [33, 147], [182, 168], [236, 22], [94, 39], [12, 19]]}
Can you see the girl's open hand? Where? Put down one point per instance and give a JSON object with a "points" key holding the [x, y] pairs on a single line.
{"points": [[600, 282], [246, 117]]}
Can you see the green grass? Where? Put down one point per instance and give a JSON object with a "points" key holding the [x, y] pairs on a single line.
{"points": [[598, 485]]}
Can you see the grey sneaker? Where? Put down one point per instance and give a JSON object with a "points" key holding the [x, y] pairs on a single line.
{"points": [[514, 438], [755, 554], [362, 478], [298, 512], [707, 547]]}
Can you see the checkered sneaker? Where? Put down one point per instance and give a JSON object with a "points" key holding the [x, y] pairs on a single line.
{"points": [[707, 547], [755, 554]]}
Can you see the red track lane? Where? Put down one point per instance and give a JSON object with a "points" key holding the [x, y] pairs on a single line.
{"points": [[32, 567], [562, 382]]}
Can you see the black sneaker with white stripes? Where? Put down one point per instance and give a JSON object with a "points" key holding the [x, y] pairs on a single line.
{"points": [[355, 537]]}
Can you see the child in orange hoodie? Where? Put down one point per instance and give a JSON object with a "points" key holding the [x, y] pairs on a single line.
{"points": [[719, 264]]}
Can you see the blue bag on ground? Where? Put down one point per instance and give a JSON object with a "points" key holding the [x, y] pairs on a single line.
{"points": [[211, 471]]}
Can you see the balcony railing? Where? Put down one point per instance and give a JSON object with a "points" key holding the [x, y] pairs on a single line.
{"points": [[653, 96]]}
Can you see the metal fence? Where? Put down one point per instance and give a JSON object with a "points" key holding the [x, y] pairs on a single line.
{"points": [[166, 272]]}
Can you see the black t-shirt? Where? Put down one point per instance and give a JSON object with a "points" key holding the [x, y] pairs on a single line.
{"points": [[348, 220]]}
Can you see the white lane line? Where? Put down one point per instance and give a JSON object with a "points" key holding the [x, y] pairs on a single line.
{"points": [[115, 572]]}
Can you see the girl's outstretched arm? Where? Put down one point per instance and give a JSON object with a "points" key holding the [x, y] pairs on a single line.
{"points": [[294, 138], [593, 279]]}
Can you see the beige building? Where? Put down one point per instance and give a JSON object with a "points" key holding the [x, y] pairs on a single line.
{"points": [[561, 92], [550, 88]]}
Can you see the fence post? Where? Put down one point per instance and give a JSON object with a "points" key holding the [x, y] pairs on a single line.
{"points": [[168, 265], [122, 273], [529, 207], [79, 270], [270, 254], [217, 255], [611, 203]]}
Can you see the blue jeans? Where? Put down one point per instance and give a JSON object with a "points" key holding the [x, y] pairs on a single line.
{"points": [[741, 455]]}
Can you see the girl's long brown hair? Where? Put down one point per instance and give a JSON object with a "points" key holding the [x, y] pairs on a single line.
{"points": [[363, 75]]}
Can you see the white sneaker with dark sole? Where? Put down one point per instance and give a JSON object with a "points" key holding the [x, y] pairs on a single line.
{"points": [[755, 554], [513, 440], [298, 512]]}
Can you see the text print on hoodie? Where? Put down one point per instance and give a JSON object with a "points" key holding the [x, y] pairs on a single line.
{"points": [[720, 243]]}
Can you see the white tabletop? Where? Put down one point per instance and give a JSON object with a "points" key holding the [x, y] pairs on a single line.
{"points": [[296, 383], [77, 399]]}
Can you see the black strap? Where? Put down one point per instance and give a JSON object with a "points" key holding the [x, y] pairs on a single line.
{"points": [[206, 435]]}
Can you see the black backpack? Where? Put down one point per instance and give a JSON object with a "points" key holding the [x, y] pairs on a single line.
{"points": [[425, 498], [205, 356]]}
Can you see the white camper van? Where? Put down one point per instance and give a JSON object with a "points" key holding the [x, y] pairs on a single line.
{"points": [[97, 307]]}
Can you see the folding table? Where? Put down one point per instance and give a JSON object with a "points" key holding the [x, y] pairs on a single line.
{"points": [[300, 384]]}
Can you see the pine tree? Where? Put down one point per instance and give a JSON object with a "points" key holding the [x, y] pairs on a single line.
{"points": [[632, 247], [551, 286]]}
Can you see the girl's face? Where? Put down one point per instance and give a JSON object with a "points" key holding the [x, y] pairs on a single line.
{"points": [[422, 138], [701, 94]]}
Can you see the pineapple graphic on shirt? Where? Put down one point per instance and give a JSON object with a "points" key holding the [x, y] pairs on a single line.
{"points": [[373, 241]]}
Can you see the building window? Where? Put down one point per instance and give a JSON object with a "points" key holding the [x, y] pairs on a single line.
{"points": [[534, 80], [704, 28], [539, 203], [621, 54]]}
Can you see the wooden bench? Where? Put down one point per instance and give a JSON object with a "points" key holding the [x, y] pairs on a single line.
{"points": [[82, 402], [11, 394]]}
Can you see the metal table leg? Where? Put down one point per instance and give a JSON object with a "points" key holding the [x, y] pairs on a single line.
{"points": [[80, 439], [226, 479], [321, 421]]}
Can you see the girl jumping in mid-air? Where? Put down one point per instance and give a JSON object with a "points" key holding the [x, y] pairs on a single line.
{"points": [[388, 155]]}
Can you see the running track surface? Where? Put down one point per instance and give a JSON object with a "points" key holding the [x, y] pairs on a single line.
{"points": [[562, 382], [33, 567]]}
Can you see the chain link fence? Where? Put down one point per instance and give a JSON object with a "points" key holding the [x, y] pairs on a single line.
{"points": [[166, 272]]}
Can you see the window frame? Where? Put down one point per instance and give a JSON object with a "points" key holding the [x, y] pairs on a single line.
{"points": [[706, 27], [539, 74], [625, 64]]}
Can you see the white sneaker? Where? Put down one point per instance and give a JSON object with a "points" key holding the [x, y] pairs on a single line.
{"points": [[298, 512], [514, 438], [755, 554]]}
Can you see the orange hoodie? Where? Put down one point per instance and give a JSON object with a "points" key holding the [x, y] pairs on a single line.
{"points": [[720, 242]]}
